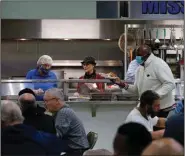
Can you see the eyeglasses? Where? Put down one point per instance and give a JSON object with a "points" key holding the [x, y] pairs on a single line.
{"points": [[46, 101]]}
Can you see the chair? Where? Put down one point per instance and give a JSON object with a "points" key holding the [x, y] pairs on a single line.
{"points": [[92, 138]]}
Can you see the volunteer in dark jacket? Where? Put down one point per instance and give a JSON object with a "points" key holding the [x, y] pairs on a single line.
{"points": [[34, 115], [90, 73]]}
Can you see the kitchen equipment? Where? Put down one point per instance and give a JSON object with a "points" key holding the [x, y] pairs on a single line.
{"points": [[130, 42], [138, 38], [8, 89], [80, 99], [105, 96], [172, 44], [73, 84], [157, 36], [181, 46], [60, 74], [150, 35], [164, 46], [179, 88], [144, 35], [123, 97], [84, 90]]}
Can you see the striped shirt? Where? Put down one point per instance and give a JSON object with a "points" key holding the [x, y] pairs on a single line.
{"points": [[132, 68], [70, 128]]}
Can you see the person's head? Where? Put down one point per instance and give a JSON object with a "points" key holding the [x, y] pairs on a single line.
{"points": [[142, 54], [27, 103], [165, 146], [88, 64], [131, 139], [26, 90], [10, 114], [54, 99], [97, 152], [150, 102], [44, 64]]}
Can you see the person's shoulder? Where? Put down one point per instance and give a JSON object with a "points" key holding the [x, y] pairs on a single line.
{"points": [[32, 71], [40, 109], [81, 77], [134, 111], [52, 74], [158, 61], [66, 110], [134, 114], [134, 62], [98, 76]]}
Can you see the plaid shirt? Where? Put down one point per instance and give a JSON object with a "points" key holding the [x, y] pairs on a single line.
{"points": [[70, 128]]}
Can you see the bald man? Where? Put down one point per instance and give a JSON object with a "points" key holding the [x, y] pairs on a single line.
{"points": [[164, 147], [33, 114], [153, 74]]}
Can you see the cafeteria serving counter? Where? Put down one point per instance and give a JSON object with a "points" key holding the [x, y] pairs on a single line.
{"points": [[10, 89]]}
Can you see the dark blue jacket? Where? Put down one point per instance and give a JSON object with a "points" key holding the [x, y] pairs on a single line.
{"points": [[25, 140], [175, 128]]}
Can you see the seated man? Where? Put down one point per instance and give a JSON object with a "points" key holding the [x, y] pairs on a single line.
{"points": [[33, 114], [131, 139], [175, 128], [28, 90], [68, 126], [179, 108], [149, 104], [19, 139]]}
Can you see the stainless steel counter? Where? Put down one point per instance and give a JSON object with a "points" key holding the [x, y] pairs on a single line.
{"points": [[95, 104]]}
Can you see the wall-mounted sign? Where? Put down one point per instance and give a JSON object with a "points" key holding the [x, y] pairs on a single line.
{"points": [[163, 7]]}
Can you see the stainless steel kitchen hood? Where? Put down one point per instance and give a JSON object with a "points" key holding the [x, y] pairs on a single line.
{"points": [[61, 29], [73, 29]]}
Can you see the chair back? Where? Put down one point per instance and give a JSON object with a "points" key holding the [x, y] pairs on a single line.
{"points": [[92, 138]]}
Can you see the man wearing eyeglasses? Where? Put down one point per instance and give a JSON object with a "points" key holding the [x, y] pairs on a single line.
{"points": [[68, 126], [153, 74]]}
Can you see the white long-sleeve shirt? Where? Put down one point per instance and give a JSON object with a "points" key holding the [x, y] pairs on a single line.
{"points": [[132, 68], [157, 76]]}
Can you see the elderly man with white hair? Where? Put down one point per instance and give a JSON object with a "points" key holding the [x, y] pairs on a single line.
{"points": [[68, 126], [42, 71], [20, 139]]}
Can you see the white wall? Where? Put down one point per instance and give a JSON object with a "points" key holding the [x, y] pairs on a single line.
{"points": [[47, 9], [106, 122]]}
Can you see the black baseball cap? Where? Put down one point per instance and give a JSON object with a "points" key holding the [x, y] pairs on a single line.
{"points": [[89, 59], [27, 90]]}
